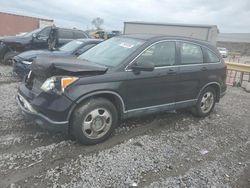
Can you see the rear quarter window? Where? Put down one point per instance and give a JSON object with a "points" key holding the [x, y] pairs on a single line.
{"points": [[212, 57], [79, 35]]}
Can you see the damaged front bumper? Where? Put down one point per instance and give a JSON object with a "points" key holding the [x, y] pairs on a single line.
{"points": [[40, 119]]}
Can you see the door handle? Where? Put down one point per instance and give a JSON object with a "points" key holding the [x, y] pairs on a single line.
{"points": [[204, 68], [171, 71]]}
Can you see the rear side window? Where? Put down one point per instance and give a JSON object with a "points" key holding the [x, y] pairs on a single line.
{"points": [[212, 58], [79, 35], [66, 34], [191, 53], [161, 54]]}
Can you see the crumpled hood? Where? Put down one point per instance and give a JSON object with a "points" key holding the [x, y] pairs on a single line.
{"points": [[45, 66], [16, 39], [32, 54]]}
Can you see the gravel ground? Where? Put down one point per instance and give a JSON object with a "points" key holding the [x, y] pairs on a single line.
{"points": [[167, 150]]}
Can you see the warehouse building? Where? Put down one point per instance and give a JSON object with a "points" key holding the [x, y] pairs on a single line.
{"points": [[235, 42], [12, 24]]}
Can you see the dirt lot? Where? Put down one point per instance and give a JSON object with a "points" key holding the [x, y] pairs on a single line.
{"points": [[168, 150]]}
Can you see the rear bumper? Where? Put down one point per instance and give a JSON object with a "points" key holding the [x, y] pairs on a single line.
{"points": [[40, 119]]}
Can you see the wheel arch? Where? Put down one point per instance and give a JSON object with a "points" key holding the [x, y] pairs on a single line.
{"points": [[215, 86], [112, 96]]}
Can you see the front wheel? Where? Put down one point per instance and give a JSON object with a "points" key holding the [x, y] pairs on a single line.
{"points": [[7, 60], [94, 121], [205, 103]]}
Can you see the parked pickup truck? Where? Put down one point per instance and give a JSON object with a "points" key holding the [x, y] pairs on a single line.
{"points": [[37, 39], [22, 62]]}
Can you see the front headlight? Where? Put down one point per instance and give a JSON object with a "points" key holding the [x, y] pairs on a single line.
{"points": [[49, 84], [58, 83], [27, 62]]}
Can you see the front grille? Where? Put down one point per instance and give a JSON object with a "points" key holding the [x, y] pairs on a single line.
{"points": [[37, 85], [34, 83]]}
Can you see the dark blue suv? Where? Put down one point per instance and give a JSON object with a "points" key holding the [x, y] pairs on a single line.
{"points": [[123, 77]]}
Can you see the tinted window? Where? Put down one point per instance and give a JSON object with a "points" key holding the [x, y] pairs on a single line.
{"points": [[191, 54], [112, 52], [79, 34], [65, 34], [45, 32], [161, 54], [32, 32], [212, 58]]}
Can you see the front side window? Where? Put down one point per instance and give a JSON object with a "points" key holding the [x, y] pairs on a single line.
{"points": [[45, 32], [212, 58], [160, 54], [191, 53], [36, 31], [112, 52]]}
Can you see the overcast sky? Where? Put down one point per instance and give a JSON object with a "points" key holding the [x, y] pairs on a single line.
{"points": [[228, 15]]}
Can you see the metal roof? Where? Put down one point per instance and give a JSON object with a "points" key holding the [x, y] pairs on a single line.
{"points": [[171, 24], [148, 37]]}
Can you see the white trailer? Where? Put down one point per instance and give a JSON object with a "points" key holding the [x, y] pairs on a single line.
{"points": [[203, 32], [44, 23]]}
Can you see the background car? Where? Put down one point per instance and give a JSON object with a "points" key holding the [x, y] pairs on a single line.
{"points": [[223, 52], [37, 39], [22, 62], [113, 34]]}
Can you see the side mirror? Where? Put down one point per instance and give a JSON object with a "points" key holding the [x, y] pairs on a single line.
{"points": [[34, 35], [146, 66]]}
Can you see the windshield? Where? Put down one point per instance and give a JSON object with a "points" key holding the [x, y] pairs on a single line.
{"points": [[71, 46], [32, 32], [112, 52]]}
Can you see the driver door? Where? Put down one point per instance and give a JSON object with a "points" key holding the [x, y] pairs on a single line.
{"points": [[41, 39], [154, 90]]}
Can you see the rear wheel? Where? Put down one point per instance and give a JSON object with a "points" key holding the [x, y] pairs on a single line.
{"points": [[94, 121], [205, 103]]}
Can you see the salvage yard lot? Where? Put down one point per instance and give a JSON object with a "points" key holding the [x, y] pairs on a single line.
{"points": [[167, 150]]}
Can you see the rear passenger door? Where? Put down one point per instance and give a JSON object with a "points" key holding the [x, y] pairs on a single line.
{"points": [[65, 36], [192, 71]]}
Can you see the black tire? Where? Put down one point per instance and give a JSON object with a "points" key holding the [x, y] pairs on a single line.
{"points": [[197, 109], [7, 60], [83, 112]]}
